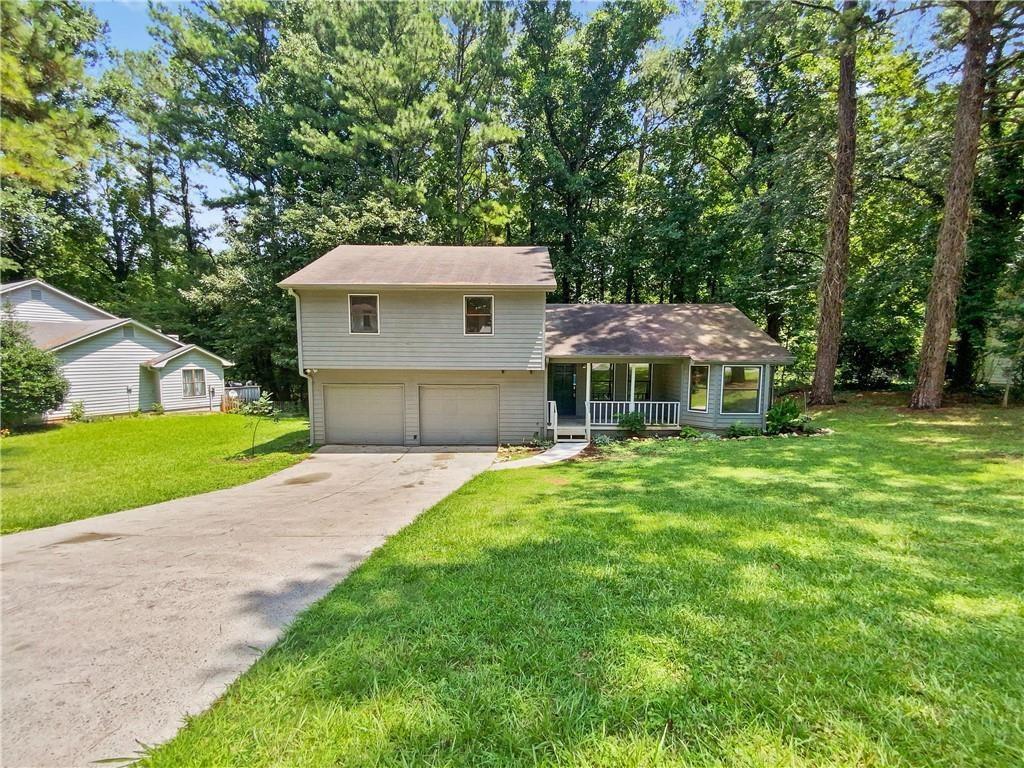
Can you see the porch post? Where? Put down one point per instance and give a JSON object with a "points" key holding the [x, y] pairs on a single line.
{"points": [[632, 386], [586, 401]]}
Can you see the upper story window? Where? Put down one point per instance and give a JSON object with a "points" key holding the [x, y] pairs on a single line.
{"points": [[36, 294], [193, 382], [741, 388], [699, 375], [479, 312], [363, 314], [128, 332]]}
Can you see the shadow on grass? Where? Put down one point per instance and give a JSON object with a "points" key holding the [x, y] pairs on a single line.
{"points": [[295, 442], [851, 600]]}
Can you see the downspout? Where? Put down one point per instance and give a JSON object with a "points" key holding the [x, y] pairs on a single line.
{"points": [[302, 369]]}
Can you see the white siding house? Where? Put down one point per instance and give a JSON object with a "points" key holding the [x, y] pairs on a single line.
{"points": [[113, 365]]}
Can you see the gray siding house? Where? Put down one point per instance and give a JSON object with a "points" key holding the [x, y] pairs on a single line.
{"points": [[114, 365], [442, 345]]}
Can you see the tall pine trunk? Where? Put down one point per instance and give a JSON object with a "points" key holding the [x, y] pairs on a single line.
{"points": [[840, 206], [950, 252]]}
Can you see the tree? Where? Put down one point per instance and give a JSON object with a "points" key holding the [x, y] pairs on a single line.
{"points": [[832, 286], [255, 412], [950, 253], [32, 380]]}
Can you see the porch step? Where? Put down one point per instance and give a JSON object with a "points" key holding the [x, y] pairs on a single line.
{"points": [[571, 434]]}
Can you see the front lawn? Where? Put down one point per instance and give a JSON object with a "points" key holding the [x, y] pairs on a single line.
{"points": [[71, 471], [856, 599]]}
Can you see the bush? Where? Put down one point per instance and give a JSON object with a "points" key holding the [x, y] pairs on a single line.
{"points": [[32, 381], [689, 433], [739, 429], [631, 423], [77, 411], [158, 409], [785, 416], [603, 439]]}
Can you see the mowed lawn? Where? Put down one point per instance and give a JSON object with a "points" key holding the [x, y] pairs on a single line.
{"points": [[850, 600], [72, 471]]}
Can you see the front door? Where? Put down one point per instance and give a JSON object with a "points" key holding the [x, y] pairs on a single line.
{"points": [[564, 383]]}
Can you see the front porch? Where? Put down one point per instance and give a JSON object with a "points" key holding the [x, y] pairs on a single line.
{"points": [[584, 396]]}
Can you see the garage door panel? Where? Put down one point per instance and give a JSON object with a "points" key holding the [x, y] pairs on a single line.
{"points": [[458, 415], [365, 414]]}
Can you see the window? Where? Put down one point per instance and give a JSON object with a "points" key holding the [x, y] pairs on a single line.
{"points": [[193, 382], [128, 332], [642, 372], [36, 294], [602, 381], [479, 311], [699, 375], [741, 388], [362, 313]]}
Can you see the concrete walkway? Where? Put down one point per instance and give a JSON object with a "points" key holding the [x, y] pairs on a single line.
{"points": [[116, 627], [557, 452]]}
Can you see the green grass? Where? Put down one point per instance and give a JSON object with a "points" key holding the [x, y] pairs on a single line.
{"points": [[73, 471], [850, 600]]}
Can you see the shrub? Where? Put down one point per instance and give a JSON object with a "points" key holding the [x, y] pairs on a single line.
{"points": [[158, 409], [689, 433], [603, 439], [256, 411], [32, 381], [77, 411], [785, 416], [631, 423], [739, 429]]}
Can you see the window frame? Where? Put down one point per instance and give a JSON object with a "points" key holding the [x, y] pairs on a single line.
{"points": [[760, 383], [184, 387], [689, 388], [611, 383], [363, 333], [631, 381], [465, 313]]}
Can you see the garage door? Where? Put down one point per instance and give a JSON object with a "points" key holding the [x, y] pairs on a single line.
{"points": [[365, 414], [458, 415]]}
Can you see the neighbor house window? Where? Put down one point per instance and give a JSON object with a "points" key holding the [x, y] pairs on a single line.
{"points": [[479, 311], [602, 381], [642, 372], [699, 375], [362, 312], [741, 388], [36, 294], [128, 332], [193, 382]]}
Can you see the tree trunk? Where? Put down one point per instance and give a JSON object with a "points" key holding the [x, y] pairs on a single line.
{"points": [[950, 252], [840, 206]]}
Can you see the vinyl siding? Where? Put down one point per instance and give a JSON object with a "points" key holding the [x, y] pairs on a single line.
{"points": [[171, 390], [423, 330], [520, 398], [52, 308], [100, 370]]}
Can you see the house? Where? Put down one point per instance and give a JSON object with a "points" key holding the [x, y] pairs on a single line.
{"points": [[440, 345], [113, 364]]}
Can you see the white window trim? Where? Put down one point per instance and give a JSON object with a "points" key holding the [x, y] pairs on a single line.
{"points": [[631, 380], [689, 384], [464, 315], [192, 368], [363, 333], [760, 396]]}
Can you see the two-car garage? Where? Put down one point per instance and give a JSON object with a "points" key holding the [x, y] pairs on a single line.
{"points": [[399, 414]]}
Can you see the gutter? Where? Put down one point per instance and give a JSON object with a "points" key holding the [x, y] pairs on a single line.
{"points": [[302, 370]]}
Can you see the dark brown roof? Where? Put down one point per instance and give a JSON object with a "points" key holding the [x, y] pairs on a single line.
{"points": [[433, 265], [706, 332], [46, 335]]}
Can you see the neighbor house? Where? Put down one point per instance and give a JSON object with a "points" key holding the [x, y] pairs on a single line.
{"points": [[440, 345], [113, 364]]}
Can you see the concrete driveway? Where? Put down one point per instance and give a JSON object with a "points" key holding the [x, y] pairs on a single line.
{"points": [[116, 627]]}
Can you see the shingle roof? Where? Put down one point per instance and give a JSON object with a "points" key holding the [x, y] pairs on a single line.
{"points": [[705, 332], [433, 265], [49, 335]]}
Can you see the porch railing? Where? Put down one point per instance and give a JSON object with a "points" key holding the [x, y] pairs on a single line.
{"points": [[606, 412]]}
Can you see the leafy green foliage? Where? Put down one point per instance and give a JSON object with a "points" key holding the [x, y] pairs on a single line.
{"points": [[785, 416], [632, 422], [739, 429], [256, 411], [76, 411], [32, 379], [690, 433]]}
